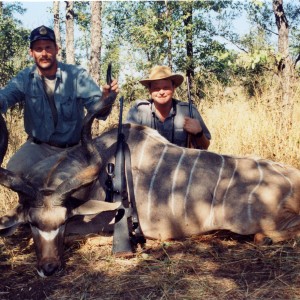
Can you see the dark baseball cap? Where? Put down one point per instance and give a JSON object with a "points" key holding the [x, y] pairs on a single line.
{"points": [[42, 33]]}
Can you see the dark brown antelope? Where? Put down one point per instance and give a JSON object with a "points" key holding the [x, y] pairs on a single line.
{"points": [[179, 192]]}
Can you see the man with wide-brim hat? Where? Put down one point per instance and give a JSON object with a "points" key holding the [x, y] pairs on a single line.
{"points": [[169, 116]]}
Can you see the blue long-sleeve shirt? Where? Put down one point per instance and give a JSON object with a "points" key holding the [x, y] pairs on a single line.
{"points": [[74, 91]]}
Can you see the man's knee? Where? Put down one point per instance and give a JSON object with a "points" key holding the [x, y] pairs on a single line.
{"points": [[23, 160]]}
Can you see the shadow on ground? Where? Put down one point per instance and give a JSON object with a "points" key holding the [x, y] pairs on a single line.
{"points": [[219, 265]]}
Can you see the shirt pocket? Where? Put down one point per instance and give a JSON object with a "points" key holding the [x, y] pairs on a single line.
{"points": [[36, 104], [180, 137], [69, 109]]}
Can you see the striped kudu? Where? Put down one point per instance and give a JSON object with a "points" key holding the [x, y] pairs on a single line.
{"points": [[179, 192]]}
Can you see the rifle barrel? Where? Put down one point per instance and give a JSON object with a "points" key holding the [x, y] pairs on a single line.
{"points": [[108, 74], [189, 97], [121, 114]]}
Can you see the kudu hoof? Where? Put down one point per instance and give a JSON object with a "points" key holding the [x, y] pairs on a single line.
{"points": [[262, 240]]}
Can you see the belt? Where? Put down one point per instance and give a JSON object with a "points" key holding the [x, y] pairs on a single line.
{"points": [[37, 141]]}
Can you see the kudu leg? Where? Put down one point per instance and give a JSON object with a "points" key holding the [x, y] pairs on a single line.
{"points": [[289, 228]]}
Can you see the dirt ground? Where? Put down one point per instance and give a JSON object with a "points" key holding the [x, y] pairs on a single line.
{"points": [[218, 265]]}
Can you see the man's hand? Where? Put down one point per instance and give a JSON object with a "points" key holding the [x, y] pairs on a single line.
{"points": [[192, 125], [106, 89]]}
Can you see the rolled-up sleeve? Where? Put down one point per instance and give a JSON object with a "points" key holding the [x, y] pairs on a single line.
{"points": [[90, 93], [13, 92], [87, 90]]}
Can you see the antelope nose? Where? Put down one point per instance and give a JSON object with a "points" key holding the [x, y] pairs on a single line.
{"points": [[49, 268]]}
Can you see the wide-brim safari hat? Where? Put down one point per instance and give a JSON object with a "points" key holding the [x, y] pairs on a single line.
{"points": [[162, 72]]}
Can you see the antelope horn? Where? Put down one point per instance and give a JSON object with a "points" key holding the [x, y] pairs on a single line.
{"points": [[90, 173], [3, 139], [100, 109], [69, 186], [8, 178]]}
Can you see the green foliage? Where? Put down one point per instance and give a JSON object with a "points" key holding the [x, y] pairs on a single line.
{"points": [[14, 44], [261, 15], [82, 15], [157, 30], [133, 90], [112, 54]]}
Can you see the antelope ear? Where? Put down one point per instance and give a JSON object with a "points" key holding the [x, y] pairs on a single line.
{"points": [[10, 222], [93, 207]]}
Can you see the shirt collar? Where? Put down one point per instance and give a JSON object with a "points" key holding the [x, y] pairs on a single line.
{"points": [[34, 71]]}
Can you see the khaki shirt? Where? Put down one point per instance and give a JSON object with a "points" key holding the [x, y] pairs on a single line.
{"points": [[143, 112]]}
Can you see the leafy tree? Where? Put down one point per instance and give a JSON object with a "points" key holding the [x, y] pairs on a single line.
{"points": [[279, 21], [82, 18], [14, 43], [285, 64], [181, 34]]}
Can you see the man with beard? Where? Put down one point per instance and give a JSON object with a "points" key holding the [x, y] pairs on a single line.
{"points": [[54, 96]]}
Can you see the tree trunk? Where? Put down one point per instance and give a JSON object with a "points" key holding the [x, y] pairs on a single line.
{"points": [[70, 51], [57, 27], [96, 40], [285, 64], [1, 8]]}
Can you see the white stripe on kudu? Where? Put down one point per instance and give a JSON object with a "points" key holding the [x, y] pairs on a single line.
{"points": [[175, 179], [211, 215], [229, 185], [189, 184], [153, 179], [250, 198], [287, 179], [142, 154]]}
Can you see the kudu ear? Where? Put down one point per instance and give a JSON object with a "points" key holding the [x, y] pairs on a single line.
{"points": [[10, 222], [93, 207]]}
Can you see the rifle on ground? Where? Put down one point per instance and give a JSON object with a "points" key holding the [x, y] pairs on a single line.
{"points": [[119, 185], [127, 231], [121, 239]]}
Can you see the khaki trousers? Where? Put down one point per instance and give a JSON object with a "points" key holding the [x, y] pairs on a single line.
{"points": [[29, 154]]}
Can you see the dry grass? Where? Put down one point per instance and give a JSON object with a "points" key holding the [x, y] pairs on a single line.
{"points": [[214, 266], [243, 126]]}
